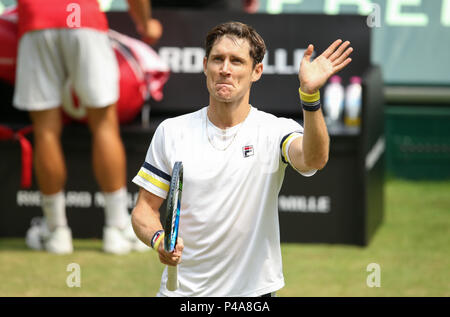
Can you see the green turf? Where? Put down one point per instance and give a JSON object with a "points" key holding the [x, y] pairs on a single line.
{"points": [[412, 248]]}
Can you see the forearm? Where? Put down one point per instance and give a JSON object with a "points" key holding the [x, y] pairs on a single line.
{"points": [[146, 221], [311, 151], [140, 11], [316, 141]]}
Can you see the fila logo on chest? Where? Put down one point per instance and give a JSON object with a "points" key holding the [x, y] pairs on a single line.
{"points": [[248, 150]]}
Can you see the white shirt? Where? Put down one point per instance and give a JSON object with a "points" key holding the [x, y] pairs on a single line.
{"points": [[229, 208]]}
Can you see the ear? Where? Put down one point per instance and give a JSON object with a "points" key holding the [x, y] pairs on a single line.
{"points": [[257, 72], [205, 61]]}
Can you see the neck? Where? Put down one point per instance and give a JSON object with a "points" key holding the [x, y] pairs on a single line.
{"points": [[226, 115]]}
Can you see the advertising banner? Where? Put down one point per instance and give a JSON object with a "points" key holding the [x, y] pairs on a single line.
{"points": [[323, 208]]}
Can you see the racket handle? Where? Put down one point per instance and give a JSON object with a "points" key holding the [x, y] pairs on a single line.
{"points": [[172, 278]]}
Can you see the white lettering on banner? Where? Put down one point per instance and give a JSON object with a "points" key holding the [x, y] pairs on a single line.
{"points": [[306, 204], [280, 59], [190, 60], [394, 15], [276, 6], [172, 57], [183, 60], [332, 6], [78, 199], [193, 59], [99, 200], [28, 198], [74, 199]]}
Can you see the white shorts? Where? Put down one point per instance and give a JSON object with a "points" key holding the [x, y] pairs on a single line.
{"points": [[47, 59]]}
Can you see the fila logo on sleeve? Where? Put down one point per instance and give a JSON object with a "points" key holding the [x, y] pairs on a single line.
{"points": [[248, 150]]}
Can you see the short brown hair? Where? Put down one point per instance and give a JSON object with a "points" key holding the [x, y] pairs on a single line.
{"points": [[240, 30]]}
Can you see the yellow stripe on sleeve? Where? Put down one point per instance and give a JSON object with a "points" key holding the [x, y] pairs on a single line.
{"points": [[284, 146], [153, 180]]}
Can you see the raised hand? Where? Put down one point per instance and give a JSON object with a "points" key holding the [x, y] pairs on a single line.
{"points": [[313, 75]]}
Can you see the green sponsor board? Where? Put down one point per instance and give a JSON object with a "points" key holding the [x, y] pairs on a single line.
{"points": [[410, 37]]}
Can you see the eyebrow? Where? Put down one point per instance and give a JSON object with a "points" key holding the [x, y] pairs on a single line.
{"points": [[223, 54]]}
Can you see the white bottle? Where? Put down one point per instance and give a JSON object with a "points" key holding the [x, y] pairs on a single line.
{"points": [[353, 102], [333, 105]]}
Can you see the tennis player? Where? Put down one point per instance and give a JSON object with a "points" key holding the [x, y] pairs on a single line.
{"points": [[64, 40], [234, 158]]}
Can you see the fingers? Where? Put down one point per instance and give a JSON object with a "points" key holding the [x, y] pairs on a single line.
{"points": [[308, 53], [339, 51], [171, 258], [338, 54], [179, 246], [330, 50], [342, 57], [342, 65]]}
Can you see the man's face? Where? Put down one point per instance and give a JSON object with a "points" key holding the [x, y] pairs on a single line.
{"points": [[229, 69]]}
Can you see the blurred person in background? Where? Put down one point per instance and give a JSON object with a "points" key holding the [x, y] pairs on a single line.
{"points": [[61, 40]]}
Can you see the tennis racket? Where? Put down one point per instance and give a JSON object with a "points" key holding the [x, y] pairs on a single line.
{"points": [[172, 221]]}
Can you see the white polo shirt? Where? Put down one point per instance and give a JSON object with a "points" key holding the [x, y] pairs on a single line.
{"points": [[229, 208]]}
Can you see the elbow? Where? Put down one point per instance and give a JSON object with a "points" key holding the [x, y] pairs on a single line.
{"points": [[322, 162], [134, 212], [316, 154], [137, 217], [317, 162], [133, 219]]}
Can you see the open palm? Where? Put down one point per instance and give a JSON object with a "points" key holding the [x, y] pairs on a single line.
{"points": [[313, 75]]}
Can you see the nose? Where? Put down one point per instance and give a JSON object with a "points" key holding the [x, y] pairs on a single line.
{"points": [[225, 69]]}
